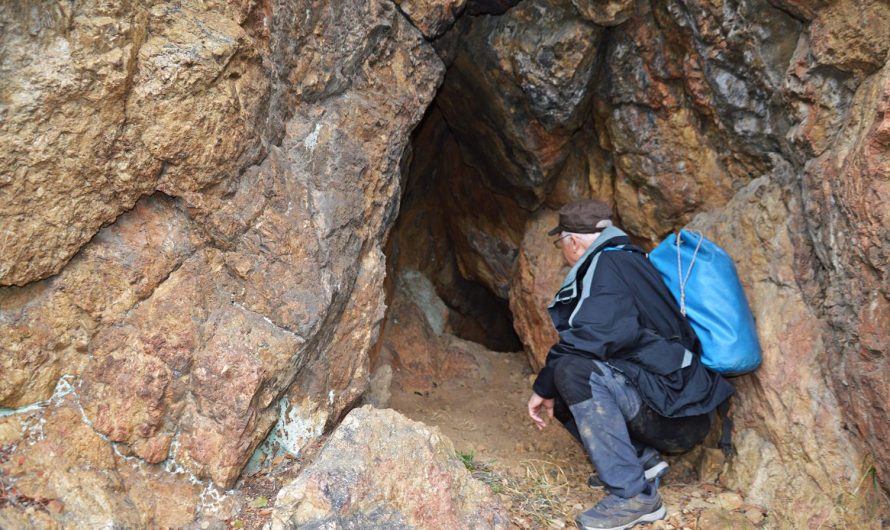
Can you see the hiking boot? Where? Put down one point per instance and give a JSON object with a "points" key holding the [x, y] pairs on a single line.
{"points": [[653, 470], [617, 513]]}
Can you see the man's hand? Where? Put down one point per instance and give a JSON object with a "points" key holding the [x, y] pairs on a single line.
{"points": [[534, 410]]}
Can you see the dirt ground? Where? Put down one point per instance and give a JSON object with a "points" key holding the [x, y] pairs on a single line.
{"points": [[541, 475]]}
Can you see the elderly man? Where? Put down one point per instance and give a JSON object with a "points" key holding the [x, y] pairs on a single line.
{"points": [[625, 377]]}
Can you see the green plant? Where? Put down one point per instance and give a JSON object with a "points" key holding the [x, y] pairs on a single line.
{"points": [[468, 459]]}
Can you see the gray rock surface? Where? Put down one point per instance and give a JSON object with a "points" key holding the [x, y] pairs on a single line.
{"points": [[381, 470]]}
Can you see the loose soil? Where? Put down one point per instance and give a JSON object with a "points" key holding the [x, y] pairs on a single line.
{"points": [[541, 476]]}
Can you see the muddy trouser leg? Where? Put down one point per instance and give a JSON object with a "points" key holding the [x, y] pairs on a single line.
{"points": [[564, 415], [601, 403]]}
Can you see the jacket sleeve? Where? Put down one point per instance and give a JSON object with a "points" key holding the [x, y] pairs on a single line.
{"points": [[606, 325]]}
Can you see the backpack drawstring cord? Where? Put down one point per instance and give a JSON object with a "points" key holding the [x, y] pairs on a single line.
{"points": [[680, 277]]}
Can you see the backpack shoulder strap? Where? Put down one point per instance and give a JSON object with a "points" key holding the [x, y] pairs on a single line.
{"points": [[626, 248]]}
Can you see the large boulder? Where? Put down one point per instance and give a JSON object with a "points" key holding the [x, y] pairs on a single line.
{"points": [[381, 470], [416, 342]]}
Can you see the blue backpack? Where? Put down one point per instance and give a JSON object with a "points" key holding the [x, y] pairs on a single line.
{"points": [[703, 279]]}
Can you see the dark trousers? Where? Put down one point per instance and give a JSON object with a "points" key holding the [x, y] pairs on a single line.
{"points": [[605, 412]]}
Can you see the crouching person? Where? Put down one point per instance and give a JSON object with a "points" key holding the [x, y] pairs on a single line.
{"points": [[625, 377]]}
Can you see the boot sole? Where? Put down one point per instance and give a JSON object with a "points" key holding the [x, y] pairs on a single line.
{"points": [[657, 515]]}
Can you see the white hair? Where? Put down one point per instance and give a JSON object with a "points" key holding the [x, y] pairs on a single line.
{"points": [[588, 239]]}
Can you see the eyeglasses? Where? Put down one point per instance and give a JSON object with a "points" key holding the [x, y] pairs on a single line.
{"points": [[556, 243]]}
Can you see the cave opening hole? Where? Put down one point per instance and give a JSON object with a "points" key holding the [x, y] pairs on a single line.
{"points": [[448, 352], [468, 258], [440, 257], [511, 135]]}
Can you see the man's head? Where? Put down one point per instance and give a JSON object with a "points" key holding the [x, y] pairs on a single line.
{"points": [[580, 224]]}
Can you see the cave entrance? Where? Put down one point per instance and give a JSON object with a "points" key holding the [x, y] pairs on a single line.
{"points": [[440, 254], [509, 138], [447, 284], [485, 163]]}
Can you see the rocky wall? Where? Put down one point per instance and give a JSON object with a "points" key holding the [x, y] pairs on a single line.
{"points": [[264, 140]]}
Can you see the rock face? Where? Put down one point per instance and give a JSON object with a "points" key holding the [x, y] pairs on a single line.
{"points": [[689, 110], [432, 18], [100, 105], [381, 470], [58, 472], [847, 189], [540, 270], [605, 13], [530, 73], [775, 465], [252, 271]]}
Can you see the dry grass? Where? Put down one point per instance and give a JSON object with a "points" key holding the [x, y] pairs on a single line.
{"points": [[537, 498], [847, 508]]}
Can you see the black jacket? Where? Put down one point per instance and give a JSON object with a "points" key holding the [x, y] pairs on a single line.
{"points": [[615, 307]]}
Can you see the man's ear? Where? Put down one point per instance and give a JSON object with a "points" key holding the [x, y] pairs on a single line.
{"points": [[575, 243]]}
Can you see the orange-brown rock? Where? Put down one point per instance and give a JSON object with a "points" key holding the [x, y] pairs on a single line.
{"points": [[605, 12], [852, 35], [58, 472], [416, 344], [530, 74], [194, 199], [432, 17], [691, 112], [847, 190], [539, 273], [686, 119], [761, 229], [818, 99], [254, 266], [49, 325], [101, 102]]}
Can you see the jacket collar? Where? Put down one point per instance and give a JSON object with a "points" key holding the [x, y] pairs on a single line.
{"points": [[569, 288]]}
